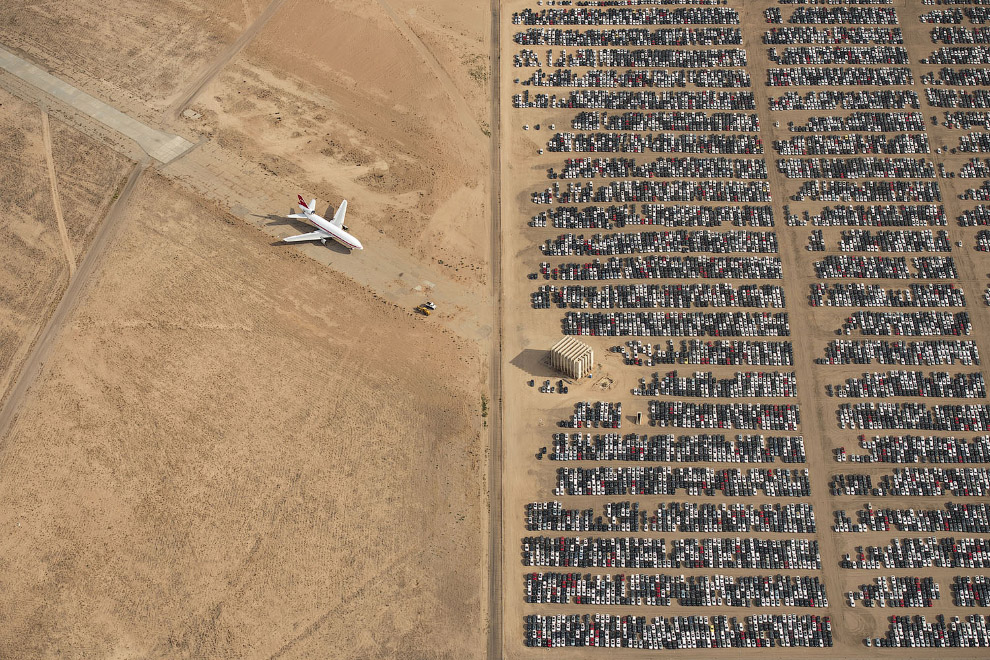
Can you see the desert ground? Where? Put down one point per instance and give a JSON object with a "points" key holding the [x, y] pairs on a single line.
{"points": [[216, 445], [219, 445]]}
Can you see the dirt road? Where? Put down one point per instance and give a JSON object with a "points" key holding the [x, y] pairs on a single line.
{"points": [[34, 363], [495, 361], [222, 60], [63, 233]]}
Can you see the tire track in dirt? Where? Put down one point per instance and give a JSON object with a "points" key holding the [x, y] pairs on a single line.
{"points": [[63, 233], [460, 103], [222, 60], [39, 354]]}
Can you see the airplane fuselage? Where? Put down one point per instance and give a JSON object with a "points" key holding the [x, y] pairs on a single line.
{"points": [[336, 233]]}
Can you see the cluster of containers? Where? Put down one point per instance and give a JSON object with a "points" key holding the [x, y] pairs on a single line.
{"points": [[713, 352], [791, 518], [905, 353]]}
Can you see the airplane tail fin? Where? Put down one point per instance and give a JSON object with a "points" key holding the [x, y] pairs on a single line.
{"points": [[302, 204], [338, 217]]}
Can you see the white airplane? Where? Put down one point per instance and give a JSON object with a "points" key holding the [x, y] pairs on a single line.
{"points": [[325, 229]]}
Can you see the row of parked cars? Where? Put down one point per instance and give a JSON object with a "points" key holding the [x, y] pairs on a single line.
{"points": [[836, 294], [651, 552], [929, 352], [678, 632], [732, 482], [627, 516], [686, 591], [969, 517], [708, 352]]}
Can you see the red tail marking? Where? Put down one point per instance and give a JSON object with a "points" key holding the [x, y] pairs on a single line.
{"points": [[302, 203]]}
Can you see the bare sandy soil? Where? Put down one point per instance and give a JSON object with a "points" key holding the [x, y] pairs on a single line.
{"points": [[125, 51], [381, 103], [88, 176], [233, 471], [33, 269], [252, 456]]}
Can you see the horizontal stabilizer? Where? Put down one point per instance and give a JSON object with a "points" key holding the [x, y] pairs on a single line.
{"points": [[311, 236]]}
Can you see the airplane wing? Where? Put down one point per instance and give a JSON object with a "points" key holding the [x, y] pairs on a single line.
{"points": [[338, 217], [311, 236]]}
